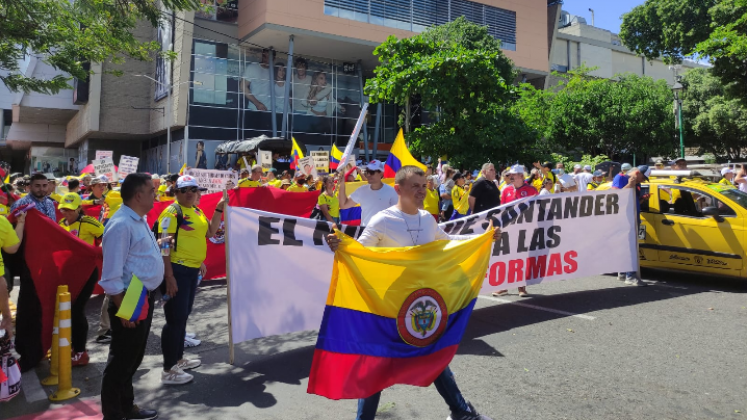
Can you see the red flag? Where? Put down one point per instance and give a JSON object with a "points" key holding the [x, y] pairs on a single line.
{"points": [[55, 258], [92, 210], [275, 200]]}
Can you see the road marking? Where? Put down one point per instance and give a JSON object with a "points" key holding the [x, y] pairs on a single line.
{"points": [[539, 308], [32, 388]]}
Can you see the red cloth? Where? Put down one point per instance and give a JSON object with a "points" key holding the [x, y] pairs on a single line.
{"points": [[275, 200], [55, 257], [91, 210]]}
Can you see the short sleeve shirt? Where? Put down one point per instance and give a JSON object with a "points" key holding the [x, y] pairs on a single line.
{"points": [[8, 238], [511, 193], [486, 195], [431, 201], [86, 228], [191, 245], [297, 188], [258, 78], [460, 198], [332, 202], [374, 201], [249, 183]]}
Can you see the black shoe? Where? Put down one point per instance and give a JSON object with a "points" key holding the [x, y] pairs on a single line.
{"points": [[138, 413], [104, 339], [471, 414]]}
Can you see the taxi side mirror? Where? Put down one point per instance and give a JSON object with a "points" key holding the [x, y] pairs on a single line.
{"points": [[713, 212]]}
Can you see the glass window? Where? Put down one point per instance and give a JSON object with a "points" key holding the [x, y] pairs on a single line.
{"points": [[683, 201], [221, 10]]}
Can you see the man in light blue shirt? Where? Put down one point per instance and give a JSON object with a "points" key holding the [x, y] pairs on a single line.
{"points": [[130, 248]]}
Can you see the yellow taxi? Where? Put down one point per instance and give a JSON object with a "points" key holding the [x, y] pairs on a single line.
{"points": [[690, 222]]}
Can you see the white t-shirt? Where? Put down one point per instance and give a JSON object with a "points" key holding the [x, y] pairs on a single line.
{"points": [[374, 201], [544, 191], [583, 179], [301, 93], [392, 227], [567, 181], [258, 78]]}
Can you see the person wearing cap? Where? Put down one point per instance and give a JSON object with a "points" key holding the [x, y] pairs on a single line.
{"points": [[596, 181], [181, 270], [98, 191], [460, 197], [679, 164], [727, 177], [299, 183], [89, 230], [373, 198], [243, 174], [632, 179], [285, 184], [659, 164], [254, 180]]}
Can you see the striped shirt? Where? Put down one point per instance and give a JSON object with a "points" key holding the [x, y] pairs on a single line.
{"points": [[130, 248]]}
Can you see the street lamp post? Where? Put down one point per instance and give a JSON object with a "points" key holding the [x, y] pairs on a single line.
{"points": [[677, 89], [168, 114]]}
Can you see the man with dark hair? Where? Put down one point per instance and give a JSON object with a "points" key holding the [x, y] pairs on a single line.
{"points": [[405, 224], [38, 196], [130, 249], [73, 186]]}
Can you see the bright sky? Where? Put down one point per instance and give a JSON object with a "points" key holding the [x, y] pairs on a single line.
{"points": [[607, 13]]}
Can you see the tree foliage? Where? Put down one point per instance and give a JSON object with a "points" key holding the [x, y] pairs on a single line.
{"points": [[458, 71], [65, 34], [676, 29], [714, 123]]}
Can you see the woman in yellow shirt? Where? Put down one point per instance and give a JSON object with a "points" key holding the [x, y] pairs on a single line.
{"points": [[431, 200], [328, 202], [460, 197]]}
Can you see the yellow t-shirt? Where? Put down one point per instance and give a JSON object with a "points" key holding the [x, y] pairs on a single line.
{"points": [[8, 238], [248, 183], [275, 183], [460, 199], [112, 203], [297, 188], [332, 202], [431, 201], [537, 184], [4, 210], [86, 228], [191, 245]]}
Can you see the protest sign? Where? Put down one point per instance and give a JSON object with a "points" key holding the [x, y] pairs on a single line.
{"points": [[321, 161], [306, 166], [212, 179], [265, 159], [103, 154], [105, 167], [546, 239], [127, 165]]}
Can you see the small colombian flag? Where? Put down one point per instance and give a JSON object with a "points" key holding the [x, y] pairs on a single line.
{"points": [[183, 169], [135, 303], [399, 156], [395, 315], [296, 154], [334, 157]]}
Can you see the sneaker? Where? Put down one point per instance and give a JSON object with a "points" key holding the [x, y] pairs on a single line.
{"points": [[500, 293], [106, 338], [186, 364], [635, 282], [138, 413], [190, 335], [175, 376], [470, 414], [80, 359], [621, 276], [191, 342]]}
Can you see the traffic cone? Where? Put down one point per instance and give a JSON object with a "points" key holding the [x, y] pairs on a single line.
{"points": [[54, 359], [65, 389]]}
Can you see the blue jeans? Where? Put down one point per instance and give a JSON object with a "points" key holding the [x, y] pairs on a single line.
{"points": [[445, 384], [177, 310]]}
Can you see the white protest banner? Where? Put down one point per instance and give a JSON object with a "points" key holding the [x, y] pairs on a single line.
{"points": [[553, 238], [321, 161], [265, 159], [213, 179], [306, 166], [105, 167], [103, 154], [127, 165]]}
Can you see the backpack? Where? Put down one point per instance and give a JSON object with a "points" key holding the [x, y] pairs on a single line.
{"points": [[179, 221]]}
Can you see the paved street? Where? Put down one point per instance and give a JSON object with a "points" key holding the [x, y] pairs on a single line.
{"points": [[590, 348]]}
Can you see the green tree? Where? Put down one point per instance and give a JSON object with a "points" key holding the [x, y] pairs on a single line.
{"points": [[66, 34], [714, 122], [631, 114], [458, 71]]}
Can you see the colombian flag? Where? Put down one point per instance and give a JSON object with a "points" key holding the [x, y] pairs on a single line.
{"points": [[399, 156], [395, 315], [334, 157], [135, 303], [352, 216], [296, 154], [183, 169]]}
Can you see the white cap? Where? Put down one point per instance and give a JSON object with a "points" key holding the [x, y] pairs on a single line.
{"points": [[577, 166], [155, 176], [725, 171], [587, 167], [516, 169], [375, 165]]}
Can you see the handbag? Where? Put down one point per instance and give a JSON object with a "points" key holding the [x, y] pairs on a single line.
{"points": [[10, 373], [317, 214]]}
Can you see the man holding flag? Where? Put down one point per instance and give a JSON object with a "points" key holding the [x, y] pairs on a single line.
{"points": [[373, 198], [406, 225]]}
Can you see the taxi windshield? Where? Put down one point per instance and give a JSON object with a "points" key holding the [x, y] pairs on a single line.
{"points": [[733, 194]]}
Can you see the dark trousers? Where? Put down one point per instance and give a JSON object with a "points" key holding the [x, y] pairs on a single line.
{"points": [[126, 352], [177, 310], [28, 322], [445, 384], [78, 313]]}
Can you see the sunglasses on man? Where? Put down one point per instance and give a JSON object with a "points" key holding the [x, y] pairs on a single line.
{"points": [[185, 190], [370, 172]]}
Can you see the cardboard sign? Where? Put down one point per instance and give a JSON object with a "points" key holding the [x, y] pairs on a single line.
{"points": [[103, 154], [213, 179], [306, 166], [105, 167], [265, 159], [321, 161], [127, 165]]}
